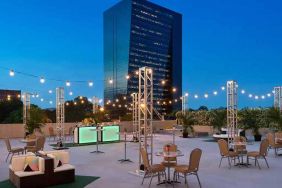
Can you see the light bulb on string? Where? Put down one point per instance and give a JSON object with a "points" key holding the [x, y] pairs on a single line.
{"points": [[243, 91], [111, 81], [68, 84], [262, 97], [174, 89], [12, 73], [222, 88], [256, 97], [41, 99], [50, 91], [90, 83], [215, 93], [186, 94], [250, 95], [127, 77], [50, 102], [70, 93], [206, 96], [163, 82], [196, 96], [268, 94], [42, 80]]}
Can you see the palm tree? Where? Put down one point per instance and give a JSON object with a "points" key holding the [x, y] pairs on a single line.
{"points": [[275, 117], [218, 118], [187, 121]]}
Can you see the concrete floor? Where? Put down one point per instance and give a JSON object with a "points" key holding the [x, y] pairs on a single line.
{"points": [[114, 174]]}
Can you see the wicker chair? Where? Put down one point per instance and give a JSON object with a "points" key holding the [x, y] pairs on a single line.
{"points": [[272, 144], [225, 153], [39, 146], [151, 170], [192, 168], [170, 161], [262, 153], [12, 150]]}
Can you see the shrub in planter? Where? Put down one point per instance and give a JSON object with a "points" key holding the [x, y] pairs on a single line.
{"points": [[187, 121]]}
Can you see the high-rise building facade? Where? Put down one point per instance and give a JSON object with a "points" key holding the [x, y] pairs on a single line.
{"points": [[6, 95], [139, 33]]}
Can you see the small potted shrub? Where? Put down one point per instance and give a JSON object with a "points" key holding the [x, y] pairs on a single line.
{"points": [[187, 121]]}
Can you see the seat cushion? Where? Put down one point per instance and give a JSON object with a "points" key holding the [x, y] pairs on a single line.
{"points": [[64, 168], [182, 168], [156, 168], [253, 154], [24, 174], [233, 154]]}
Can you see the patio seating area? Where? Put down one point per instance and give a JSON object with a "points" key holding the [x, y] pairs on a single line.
{"points": [[112, 173]]}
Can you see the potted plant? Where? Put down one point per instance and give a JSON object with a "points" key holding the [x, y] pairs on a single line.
{"points": [[249, 119], [36, 121], [187, 121], [274, 117]]}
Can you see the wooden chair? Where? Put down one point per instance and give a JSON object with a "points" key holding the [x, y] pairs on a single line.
{"points": [[225, 153], [192, 168], [272, 144], [170, 161], [51, 133], [12, 150], [151, 170], [262, 153]]}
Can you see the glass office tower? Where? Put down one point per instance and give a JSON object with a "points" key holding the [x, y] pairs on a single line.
{"points": [[139, 33]]}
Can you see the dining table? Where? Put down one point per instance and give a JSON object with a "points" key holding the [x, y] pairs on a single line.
{"points": [[169, 154]]}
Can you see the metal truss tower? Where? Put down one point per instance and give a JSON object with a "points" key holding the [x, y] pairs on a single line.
{"points": [[135, 117], [95, 102], [278, 98], [145, 112], [60, 115], [26, 107], [232, 110]]}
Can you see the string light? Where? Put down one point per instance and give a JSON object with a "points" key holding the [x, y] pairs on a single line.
{"points": [[163, 82], [268, 94], [243, 91], [41, 99], [70, 93], [196, 96], [186, 94], [206, 96], [127, 77], [215, 92], [250, 95], [90, 83], [68, 84], [111, 81], [222, 88], [42, 80], [256, 97], [262, 97], [174, 89], [50, 91], [12, 73], [50, 102]]}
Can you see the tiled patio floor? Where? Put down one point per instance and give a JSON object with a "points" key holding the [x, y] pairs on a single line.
{"points": [[116, 175]]}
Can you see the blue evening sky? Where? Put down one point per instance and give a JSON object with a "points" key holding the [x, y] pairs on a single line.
{"points": [[222, 40]]}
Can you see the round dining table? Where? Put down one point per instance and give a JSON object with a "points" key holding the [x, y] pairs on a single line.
{"points": [[169, 154]]}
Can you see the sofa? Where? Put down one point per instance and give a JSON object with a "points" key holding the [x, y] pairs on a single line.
{"points": [[22, 179], [48, 173]]}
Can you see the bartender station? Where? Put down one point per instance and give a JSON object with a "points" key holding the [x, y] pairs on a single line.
{"points": [[93, 133]]}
